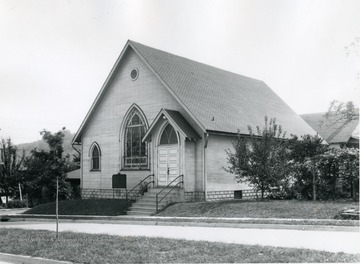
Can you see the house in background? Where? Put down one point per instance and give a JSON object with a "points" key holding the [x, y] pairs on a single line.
{"points": [[73, 177], [164, 115], [337, 133]]}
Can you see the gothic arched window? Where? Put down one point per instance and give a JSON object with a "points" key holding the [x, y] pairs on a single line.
{"points": [[168, 136], [135, 151], [95, 157]]}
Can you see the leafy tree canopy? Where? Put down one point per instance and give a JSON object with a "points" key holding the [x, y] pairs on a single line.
{"points": [[45, 167], [341, 112], [10, 167], [259, 158]]}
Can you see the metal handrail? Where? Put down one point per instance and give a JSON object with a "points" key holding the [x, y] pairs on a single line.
{"points": [[173, 187], [141, 189]]}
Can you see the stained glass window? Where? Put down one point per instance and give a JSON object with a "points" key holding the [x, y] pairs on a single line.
{"points": [[135, 154]]}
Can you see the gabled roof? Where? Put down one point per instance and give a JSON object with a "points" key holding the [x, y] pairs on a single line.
{"points": [[217, 100], [331, 129], [176, 120]]}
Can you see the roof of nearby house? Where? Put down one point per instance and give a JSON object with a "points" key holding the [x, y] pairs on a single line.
{"points": [[216, 99], [331, 129], [75, 174]]}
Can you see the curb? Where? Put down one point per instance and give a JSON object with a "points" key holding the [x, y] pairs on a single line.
{"points": [[262, 223], [29, 259]]}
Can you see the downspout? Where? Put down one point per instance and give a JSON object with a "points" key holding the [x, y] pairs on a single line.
{"points": [[205, 143]]}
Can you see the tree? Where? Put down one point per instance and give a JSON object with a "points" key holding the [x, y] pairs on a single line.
{"points": [[338, 171], [353, 49], [345, 112], [259, 159], [10, 168], [341, 112], [304, 154], [43, 168]]}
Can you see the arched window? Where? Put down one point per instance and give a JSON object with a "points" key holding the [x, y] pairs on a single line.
{"points": [[135, 151], [168, 136], [95, 157]]}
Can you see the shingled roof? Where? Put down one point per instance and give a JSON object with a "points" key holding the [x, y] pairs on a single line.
{"points": [[216, 99], [331, 129], [221, 100]]}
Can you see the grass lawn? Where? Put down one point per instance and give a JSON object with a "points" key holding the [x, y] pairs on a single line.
{"points": [[88, 248], [82, 207], [293, 209]]}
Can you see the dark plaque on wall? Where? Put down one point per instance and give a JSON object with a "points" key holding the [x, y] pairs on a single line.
{"points": [[119, 181]]}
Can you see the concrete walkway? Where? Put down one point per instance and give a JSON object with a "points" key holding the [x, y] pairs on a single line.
{"points": [[332, 241]]}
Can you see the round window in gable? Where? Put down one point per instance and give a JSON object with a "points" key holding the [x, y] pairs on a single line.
{"points": [[134, 74]]}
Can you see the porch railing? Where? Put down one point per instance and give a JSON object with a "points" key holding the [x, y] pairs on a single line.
{"points": [[168, 190], [142, 186]]}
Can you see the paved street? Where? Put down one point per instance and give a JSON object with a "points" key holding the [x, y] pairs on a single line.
{"points": [[333, 241]]}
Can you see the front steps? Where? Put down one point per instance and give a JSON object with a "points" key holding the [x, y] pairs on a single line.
{"points": [[146, 205]]}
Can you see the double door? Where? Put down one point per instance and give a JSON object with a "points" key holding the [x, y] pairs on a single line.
{"points": [[168, 164]]}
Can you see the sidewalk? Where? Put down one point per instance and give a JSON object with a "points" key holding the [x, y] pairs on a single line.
{"points": [[13, 211], [11, 259], [332, 241]]}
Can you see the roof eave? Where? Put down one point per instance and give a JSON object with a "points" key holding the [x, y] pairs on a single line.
{"points": [[77, 137]]}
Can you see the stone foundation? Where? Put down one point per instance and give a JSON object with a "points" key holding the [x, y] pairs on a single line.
{"points": [[230, 195], [188, 196], [194, 196], [103, 194]]}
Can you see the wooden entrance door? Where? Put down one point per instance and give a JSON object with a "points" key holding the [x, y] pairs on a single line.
{"points": [[168, 164]]}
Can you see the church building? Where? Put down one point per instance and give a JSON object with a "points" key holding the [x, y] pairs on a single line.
{"points": [[173, 118]]}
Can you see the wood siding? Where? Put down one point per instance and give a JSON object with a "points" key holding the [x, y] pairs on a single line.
{"points": [[216, 160], [104, 125]]}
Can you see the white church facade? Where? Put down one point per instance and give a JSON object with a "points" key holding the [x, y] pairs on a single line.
{"points": [[164, 115]]}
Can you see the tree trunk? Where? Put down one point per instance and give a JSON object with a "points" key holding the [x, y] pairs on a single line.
{"points": [[314, 180], [354, 190]]}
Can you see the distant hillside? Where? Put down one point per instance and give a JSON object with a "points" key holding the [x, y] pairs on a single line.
{"points": [[41, 144]]}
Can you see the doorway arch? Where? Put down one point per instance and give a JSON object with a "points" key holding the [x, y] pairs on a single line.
{"points": [[168, 161]]}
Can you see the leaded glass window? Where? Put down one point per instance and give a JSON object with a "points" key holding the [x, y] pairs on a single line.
{"points": [[135, 152]]}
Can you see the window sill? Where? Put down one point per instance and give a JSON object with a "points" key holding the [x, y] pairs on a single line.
{"points": [[95, 170], [135, 169]]}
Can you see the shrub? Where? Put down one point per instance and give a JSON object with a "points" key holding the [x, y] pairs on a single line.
{"points": [[339, 174], [17, 204], [302, 185]]}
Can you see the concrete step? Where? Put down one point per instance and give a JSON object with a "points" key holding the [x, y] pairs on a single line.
{"points": [[153, 198], [157, 190], [144, 209], [139, 212], [148, 203], [153, 195]]}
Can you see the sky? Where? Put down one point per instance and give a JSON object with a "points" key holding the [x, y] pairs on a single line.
{"points": [[55, 55]]}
